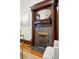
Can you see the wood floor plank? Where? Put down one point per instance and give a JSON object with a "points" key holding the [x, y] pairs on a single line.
{"points": [[26, 49]]}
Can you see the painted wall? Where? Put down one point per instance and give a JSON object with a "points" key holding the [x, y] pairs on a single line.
{"points": [[26, 17]]}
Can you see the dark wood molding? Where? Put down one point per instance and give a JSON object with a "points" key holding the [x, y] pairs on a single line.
{"points": [[56, 20], [33, 27], [42, 5], [53, 25]]}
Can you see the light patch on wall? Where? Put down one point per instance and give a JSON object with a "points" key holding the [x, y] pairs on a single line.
{"points": [[26, 23], [25, 19]]}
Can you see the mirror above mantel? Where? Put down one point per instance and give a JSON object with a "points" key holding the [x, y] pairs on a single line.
{"points": [[43, 14]]}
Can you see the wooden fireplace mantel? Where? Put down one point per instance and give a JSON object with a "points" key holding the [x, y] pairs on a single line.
{"points": [[54, 25]]}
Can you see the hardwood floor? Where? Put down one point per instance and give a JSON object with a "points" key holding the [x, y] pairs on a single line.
{"points": [[26, 50]]}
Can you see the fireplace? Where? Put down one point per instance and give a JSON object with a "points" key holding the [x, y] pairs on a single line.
{"points": [[44, 24], [43, 36]]}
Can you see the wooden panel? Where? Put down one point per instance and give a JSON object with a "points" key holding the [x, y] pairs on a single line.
{"points": [[42, 5], [33, 28], [43, 33]]}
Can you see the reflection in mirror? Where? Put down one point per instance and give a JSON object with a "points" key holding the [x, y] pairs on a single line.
{"points": [[43, 14]]}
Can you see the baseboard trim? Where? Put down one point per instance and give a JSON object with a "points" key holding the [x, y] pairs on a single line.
{"points": [[26, 41]]}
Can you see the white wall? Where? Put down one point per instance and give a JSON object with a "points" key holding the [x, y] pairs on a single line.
{"points": [[24, 10]]}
